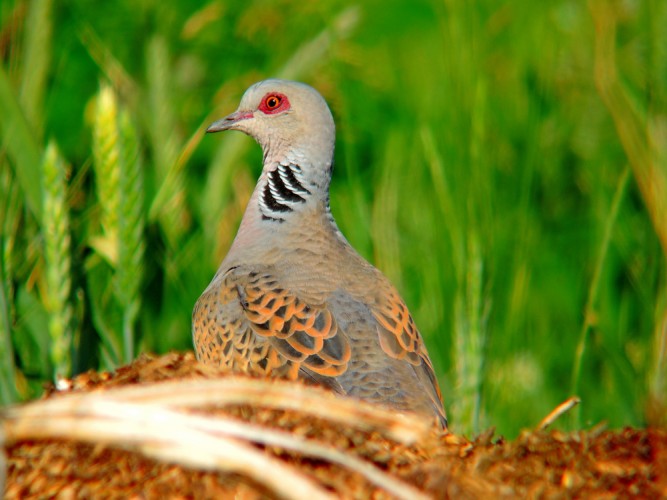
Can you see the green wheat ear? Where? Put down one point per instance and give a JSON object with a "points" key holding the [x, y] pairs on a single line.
{"points": [[106, 154], [131, 227], [120, 190], [57, 257], [108, 167]]}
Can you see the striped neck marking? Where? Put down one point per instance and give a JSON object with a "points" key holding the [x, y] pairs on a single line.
{"points": [[282, 192]]}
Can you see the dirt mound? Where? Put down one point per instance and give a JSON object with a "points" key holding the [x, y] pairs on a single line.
{"points": [[289, 440]]}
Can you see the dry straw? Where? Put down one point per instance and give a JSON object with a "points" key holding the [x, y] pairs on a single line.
{"points": [[156, 420]]}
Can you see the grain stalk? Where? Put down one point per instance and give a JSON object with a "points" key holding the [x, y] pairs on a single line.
{"points": [[131, 227], [106, 154], [120, 189], [108, 172], [55, 229], [471, 314], [472, 304]]}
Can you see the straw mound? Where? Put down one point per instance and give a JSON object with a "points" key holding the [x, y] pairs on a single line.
{"points": [[170, 427]]}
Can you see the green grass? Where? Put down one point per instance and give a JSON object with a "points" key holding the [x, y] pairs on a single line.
{"points": [[504, 164]]}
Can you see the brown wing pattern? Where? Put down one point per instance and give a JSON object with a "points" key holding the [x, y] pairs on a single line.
{"points": [[399, 336], [306, 334], [222, 336], [400, 339], [250, 323]]}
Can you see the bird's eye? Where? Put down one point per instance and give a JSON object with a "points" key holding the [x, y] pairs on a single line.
{"points": [[273, 101]]}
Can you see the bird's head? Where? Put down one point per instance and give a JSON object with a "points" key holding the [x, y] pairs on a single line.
{"points": [[290, 120]]}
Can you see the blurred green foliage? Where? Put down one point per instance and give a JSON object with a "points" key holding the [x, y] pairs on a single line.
{"points": [[501, 162]]}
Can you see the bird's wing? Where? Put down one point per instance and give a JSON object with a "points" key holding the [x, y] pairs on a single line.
{"points": [[276, 331], [400, 339]]}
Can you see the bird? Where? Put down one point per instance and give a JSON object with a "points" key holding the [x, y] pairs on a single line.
{"points": [[292, 298]]}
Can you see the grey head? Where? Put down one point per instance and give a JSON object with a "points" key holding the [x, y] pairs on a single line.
{"points": [[290, 121]]}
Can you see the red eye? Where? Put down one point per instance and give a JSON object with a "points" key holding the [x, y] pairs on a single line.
{"points": [[274, 103]]}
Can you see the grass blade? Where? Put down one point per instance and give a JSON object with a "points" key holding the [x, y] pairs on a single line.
{"points": [[594, 288], [21, 144], [36, 61], [8, 393]]}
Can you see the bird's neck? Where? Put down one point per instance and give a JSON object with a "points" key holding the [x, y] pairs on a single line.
{"points": [[290, 192], [291, 184]]}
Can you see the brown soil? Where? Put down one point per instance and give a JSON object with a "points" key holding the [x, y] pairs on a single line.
{"points": [[611, 464]]}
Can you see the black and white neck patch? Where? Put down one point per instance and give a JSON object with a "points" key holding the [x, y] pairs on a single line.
{"points": [[282, 191]]}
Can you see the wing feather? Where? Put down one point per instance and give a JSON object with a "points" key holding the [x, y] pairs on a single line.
{"points": [[400, 339], [305, 333], [248, 321]]}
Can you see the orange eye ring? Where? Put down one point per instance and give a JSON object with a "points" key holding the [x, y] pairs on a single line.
{"points": [[273, 103]]}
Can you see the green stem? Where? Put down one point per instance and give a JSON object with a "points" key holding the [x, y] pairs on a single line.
{"points": [[593, 289], [129, 317], [8, 392]]}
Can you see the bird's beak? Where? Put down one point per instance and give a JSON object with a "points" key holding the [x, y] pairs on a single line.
{"points": [[229, 121]]}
